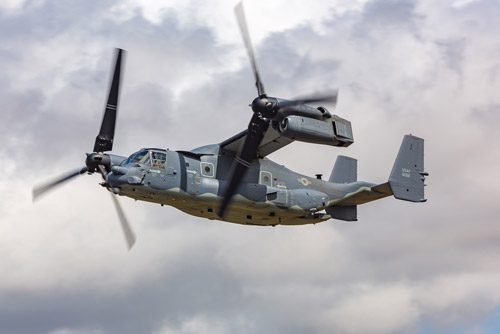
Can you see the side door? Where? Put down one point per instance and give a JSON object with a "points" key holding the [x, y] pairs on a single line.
{"points": [[277, 195]]}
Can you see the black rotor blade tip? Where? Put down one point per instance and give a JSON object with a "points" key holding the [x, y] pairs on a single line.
{"points": [[104, 140]]}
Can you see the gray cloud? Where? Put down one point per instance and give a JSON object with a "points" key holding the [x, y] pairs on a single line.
{"points": [[401, 268], [453, 53], [487, 116]]}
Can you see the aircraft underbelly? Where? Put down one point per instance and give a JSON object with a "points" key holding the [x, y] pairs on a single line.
{"points": [[250, 216], [241, 210], [244, 211]]}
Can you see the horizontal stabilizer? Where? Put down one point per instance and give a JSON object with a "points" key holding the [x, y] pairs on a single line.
{"points": [[408, 176], [345, 208], [364, 193]]}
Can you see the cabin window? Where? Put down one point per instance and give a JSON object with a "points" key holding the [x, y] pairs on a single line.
{"points": [[266, 178], [207, 169]]}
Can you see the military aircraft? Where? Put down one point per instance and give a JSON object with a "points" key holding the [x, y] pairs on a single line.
{"points": [[233, 181]]}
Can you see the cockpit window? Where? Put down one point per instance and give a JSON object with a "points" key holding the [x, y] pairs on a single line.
{"points": [[146, 160], [157, 159], [136, 157]]}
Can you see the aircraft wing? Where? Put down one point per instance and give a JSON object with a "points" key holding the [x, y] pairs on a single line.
{"points": [[272, 141]]}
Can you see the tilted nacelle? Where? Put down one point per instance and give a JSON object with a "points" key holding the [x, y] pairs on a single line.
{"points": [[334, 131]]}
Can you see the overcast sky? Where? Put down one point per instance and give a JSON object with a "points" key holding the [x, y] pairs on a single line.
{"points": [[430, 68]]}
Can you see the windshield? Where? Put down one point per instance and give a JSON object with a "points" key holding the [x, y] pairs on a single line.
{"points": [[136, 157], [155, 158]]}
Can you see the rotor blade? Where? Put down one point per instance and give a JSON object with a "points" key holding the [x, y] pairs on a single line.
{"points": [[242, 22], [104, 140], [40, 190], [127, 230], [332, 98], [246, 153]]}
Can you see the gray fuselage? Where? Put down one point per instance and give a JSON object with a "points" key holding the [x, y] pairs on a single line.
{"points": [[194, 181]]}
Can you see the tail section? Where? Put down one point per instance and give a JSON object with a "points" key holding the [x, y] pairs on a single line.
{"points": [[406, 181], [408, 176]]}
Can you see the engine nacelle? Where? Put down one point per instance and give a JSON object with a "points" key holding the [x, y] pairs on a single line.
{"points": [[334, 131]]}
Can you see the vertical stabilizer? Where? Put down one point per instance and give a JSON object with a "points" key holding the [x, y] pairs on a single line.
{"points": [[408, 176], [345, 170]]}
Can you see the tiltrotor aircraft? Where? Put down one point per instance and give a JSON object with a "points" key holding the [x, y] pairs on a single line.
{"points": [[233, 181]]}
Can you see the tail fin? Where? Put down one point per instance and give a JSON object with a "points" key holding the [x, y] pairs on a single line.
{"points": [[408, 176], [345, 170]]}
